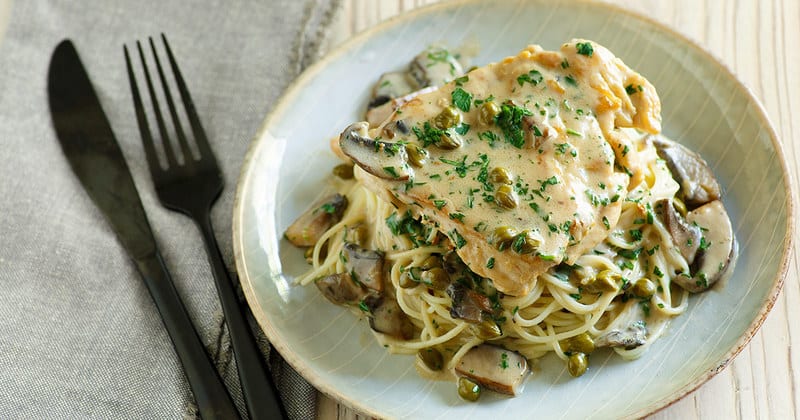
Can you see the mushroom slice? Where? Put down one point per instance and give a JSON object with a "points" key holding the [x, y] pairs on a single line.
{"points": [[378, 114], [382, 159], [434, 66], [391, 85], [630, 337], [468, 304], [388, 318], [494, 368], [716, 247], [311, 225], [685, 236], [340, 289], [364, 265], [690, 171]]}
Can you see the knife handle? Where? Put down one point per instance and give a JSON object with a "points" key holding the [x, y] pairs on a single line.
{"points": [[260, 393], [213, 400]]}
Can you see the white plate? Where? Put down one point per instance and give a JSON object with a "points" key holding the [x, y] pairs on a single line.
{"points": [[704, 107]]}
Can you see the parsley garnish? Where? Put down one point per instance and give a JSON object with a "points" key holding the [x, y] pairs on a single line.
{"points": [[462, 128], [462, 99], [584, 48], [490, 263], [439, 203], [457, 239], [391, 171], [328, 208], [533, 77], [363, 306], [571, 81], [510, 121], [428, 134], [457, 216]]}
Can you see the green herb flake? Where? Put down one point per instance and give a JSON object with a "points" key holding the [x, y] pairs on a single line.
{"points": [[363, 306], [509, 120], [490, 263], [605, 223], [504, 361], [391, 171], [658, 273], [328, 208], [533, 77], [458, 240], [636, 234], [461, 80], [462, 129], [570, 80], [704, 244], [584, 48], [439, 204], [462, 99], [457, 216]]}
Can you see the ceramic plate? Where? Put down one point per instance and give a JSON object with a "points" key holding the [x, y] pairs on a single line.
{"points": [[704, 107]]}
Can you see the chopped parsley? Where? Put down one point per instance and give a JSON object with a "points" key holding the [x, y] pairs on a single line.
{"points": [[439, 204], [490, 263], [570, 80], [428, 134], [605, 223], [328, 208], [510, 122], [630, 89], [391, 171], [457, 216], [462, 99], [584, 48], [458, 240], [462, 128], [533, 77], [704, 244], [363, 306]]}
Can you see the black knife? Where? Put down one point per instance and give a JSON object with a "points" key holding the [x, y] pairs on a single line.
{"points": [[92, 150]]}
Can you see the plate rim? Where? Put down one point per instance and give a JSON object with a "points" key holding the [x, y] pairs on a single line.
{"points": [[296, 86]]}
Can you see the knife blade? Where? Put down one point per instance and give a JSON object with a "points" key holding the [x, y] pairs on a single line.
{"points": [[88, 142]]}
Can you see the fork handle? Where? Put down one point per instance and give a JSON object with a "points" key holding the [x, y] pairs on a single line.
{"points": [[260, 393], [213, 401]]}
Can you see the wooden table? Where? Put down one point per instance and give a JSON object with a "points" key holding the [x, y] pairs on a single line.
{"points": [[760, 41]]}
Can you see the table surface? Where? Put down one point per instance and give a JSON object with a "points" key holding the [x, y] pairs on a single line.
{"points": [[757, 39]]}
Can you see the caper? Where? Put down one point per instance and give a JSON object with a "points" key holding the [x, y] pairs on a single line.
{"points": [[577, 364], [449, 117], [488, 330], [449, 141], [581, 343], [500, 175], [431, 262], [525, 243], [604, 281], [488, 111], [406, 282], [679, 206], [432, 358], [436, 277], [344, 171], [468, 390], [417, 155], [506, 197], [643, 288], [503, 236]]}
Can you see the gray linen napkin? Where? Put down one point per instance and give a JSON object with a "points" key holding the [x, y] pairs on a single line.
{"points": [[79, 334]]}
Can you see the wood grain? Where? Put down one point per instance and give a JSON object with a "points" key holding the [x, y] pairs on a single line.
{"points": [[758, 41]]}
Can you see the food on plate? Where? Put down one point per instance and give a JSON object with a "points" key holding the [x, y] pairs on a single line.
{"points": [[485, 219]]}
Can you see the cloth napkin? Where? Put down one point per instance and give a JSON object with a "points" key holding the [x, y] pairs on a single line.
{"points": [[79, 334]]}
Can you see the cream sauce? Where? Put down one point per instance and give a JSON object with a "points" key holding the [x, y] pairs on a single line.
{"points": [[570, 164]]}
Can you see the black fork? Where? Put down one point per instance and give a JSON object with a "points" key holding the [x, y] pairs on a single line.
{"points": [[191, 185]]}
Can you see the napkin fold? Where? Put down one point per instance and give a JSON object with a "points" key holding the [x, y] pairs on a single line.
{"points": [[79, 334]]}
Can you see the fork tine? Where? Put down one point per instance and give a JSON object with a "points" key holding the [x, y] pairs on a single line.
{"points": [[162, 128], [187, 153], [191, 112], [144, 128]]}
